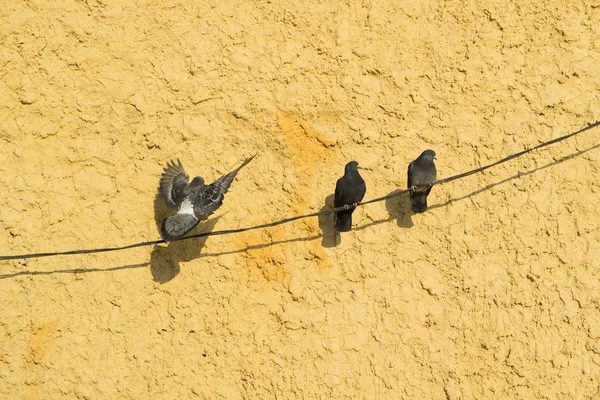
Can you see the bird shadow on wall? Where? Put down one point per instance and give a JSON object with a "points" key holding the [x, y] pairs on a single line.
{"points": [[330, 237], [164, 260], [399, 209]]}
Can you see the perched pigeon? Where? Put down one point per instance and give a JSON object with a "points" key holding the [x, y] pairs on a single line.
{"points": [[193, 202], [349, 191], [421, 176]]}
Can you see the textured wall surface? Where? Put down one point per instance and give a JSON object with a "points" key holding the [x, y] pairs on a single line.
{"points": [[493, 293]]}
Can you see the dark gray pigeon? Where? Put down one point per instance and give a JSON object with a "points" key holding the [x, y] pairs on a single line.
{"points": [[193, 202], [421, 176], [349, 191]]}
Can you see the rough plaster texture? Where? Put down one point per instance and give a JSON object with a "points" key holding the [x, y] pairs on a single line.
{"points": [[493, 293]]}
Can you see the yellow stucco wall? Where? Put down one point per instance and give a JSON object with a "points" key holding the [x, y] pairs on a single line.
{"points": [[492, 293]]}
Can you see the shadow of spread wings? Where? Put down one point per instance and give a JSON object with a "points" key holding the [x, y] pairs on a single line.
{"points": [[212, 195], [172, 185]]}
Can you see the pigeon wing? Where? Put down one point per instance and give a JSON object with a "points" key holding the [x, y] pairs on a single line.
{"points": [[432, 176], [361, 188], [225, 181], [433, 173], [338, 197], [173, 182], [213, 194]]}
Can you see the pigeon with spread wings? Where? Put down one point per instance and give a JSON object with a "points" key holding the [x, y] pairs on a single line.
{"points": [[192, 202]]}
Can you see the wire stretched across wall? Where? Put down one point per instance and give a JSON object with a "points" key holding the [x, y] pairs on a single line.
{"points": [[287, 220]]}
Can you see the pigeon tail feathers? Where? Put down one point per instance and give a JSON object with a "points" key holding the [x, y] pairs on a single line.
{"points": [[419, 203], [343, 221], [177, 226]]}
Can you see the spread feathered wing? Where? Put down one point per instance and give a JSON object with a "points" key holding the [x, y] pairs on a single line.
{"points": [[342, 219], [213, 194], [173, 182]]}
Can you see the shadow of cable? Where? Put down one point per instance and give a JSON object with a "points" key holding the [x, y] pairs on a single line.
{"points": [[73, 271], [264, 245], [331, 237], [372, 223], [510, 178]]}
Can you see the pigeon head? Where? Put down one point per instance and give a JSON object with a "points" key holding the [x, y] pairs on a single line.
{"points": [[428, 155], [351, 168], [197, 182]]}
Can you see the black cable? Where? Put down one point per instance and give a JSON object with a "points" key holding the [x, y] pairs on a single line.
{"points": [[286, 220]]}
